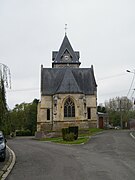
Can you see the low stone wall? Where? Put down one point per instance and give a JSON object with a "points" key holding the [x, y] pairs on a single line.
{"points": [[58, 125], [45, 134], [48, 131], [46, 127]]}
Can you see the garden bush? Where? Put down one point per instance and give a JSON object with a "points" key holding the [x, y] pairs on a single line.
{"points": [[69, 137], [70, 133], [65, 131], [26, 132], [74, 130]]}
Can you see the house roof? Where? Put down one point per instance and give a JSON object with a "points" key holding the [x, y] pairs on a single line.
{"points": [[67, 80]]}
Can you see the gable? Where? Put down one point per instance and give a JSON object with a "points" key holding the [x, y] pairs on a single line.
{"points": [[68, 83]]}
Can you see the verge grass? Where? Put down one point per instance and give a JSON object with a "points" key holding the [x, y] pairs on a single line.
{"points": [[80, 140], [83, 138]]}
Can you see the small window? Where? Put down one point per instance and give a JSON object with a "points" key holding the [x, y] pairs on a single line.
{"points": [[89, 112], [48, 114]]}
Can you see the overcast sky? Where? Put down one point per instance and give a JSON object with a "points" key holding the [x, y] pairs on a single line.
{"points": [[102, 30]]}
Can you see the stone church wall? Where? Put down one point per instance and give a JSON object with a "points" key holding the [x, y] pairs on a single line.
{"points": [[56, 106]]}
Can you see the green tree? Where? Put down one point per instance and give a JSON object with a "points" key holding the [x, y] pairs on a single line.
{"points": [[31, 122], [119, 110], [24, 117]]}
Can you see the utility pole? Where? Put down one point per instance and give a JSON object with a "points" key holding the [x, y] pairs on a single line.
{"points": [[121, 120]]}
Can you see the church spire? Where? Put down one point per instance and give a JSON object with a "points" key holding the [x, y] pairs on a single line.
{"points": [[66, 56]]}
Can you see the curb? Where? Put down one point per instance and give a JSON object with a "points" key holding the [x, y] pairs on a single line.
{"points": [[9, 165], [132, 135]]}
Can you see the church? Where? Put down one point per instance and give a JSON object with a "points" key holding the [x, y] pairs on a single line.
{"points": [[68, 92]]}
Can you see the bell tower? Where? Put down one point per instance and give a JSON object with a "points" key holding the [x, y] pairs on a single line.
{"points": [[66, 56]]}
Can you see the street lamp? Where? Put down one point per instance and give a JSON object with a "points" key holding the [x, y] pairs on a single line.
{"points": [[128, 71], [131, 71], [132, 80]]}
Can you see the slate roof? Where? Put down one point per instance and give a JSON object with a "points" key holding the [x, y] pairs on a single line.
{"points": [[56, 55], [67, 80]]}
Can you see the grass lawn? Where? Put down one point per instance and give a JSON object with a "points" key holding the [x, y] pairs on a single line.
{"points": [[80, 140], [83, 138]]}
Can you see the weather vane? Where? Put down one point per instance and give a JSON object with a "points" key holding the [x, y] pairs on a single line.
{"points": [[65, 29]]}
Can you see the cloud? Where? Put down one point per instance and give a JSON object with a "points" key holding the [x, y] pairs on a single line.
{"points": [[103, 32]]}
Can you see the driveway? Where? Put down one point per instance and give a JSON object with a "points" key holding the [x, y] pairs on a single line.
{"points": [[107, 156]]}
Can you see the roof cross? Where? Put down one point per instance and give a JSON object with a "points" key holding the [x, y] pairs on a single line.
{"points": [[65, 29]]}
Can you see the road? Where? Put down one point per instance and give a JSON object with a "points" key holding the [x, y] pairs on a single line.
{"points": [[2, 164], [107, 156]]}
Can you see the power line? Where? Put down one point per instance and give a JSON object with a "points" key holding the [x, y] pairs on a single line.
{"points": [[132, 94], [29, 89], [112, 93], [35, 89], [113, 76]]}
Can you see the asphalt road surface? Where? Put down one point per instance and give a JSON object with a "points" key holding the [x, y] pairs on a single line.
{"points": [[2, 164], [107, 156]]}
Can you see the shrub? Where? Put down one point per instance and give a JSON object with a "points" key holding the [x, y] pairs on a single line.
{"points": [[74, 130], [70, 133], [65, 131], [26, 132], [69, 137]]}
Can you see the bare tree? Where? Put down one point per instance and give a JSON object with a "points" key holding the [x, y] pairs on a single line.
{"points": [[5, 82], [118, 108]]}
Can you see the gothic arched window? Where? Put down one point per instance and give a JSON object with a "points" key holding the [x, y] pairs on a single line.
{"points": [[69, 108]]}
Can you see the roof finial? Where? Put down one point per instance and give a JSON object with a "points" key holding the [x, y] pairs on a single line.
{"points": [[65, 29]]}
